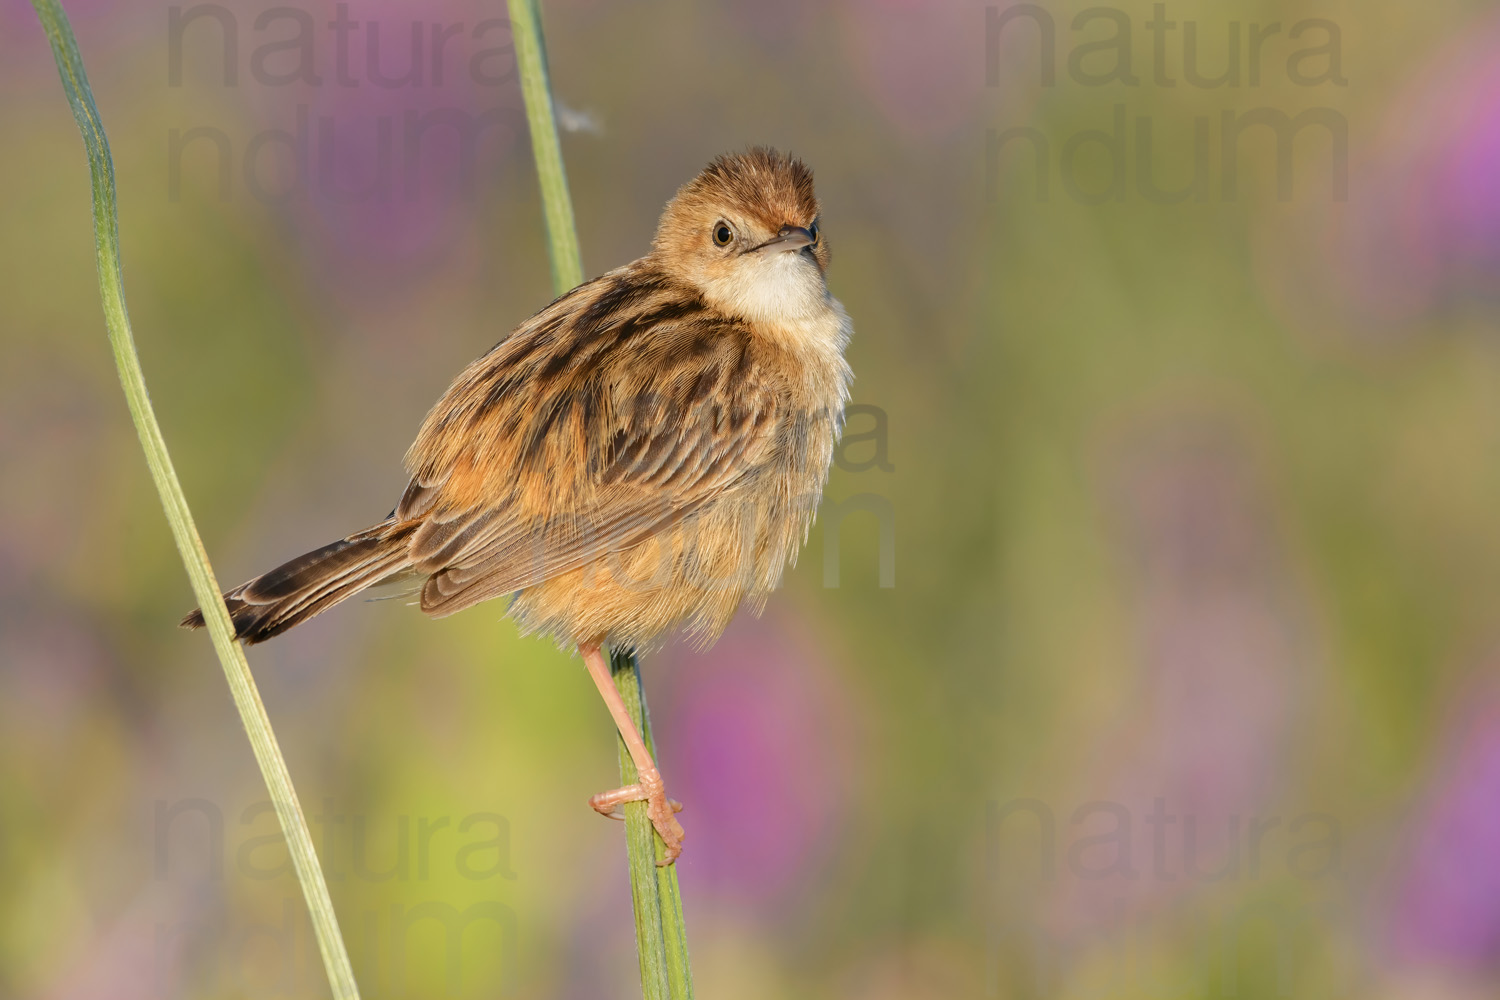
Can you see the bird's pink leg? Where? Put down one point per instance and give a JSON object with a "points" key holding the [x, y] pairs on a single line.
{"points": [[648, 786]]}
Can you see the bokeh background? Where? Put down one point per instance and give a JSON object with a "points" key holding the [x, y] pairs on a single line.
{"points": [[1186, 685]]}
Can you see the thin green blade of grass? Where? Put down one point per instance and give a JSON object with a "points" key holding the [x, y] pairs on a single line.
{"points": [[536, 91], [661, 933], [174, 504]]}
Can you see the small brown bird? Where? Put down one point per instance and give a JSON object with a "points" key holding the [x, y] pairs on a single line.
{"points": [[644, 454]]}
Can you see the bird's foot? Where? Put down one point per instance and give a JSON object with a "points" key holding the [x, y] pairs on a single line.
{"points": [[649, 788]]}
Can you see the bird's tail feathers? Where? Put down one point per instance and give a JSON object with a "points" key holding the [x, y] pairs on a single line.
{"points": [[295, 591]]}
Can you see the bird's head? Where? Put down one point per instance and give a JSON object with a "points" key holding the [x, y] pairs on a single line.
{"points": [[745, 233]]}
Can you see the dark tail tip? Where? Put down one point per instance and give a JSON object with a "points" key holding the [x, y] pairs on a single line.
{"points": [[240, 616], [252, 622], [295, 591]]}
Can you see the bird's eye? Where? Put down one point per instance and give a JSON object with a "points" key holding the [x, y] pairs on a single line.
{"points": [[813, 231], [723, 234]]}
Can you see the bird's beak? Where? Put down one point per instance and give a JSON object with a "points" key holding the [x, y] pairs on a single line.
{"points": [[789, 239]]}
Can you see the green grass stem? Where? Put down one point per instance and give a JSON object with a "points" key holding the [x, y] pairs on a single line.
{"points": [[174, 504], [661, 934]]}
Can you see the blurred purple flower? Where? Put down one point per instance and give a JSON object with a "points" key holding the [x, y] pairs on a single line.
{"points": [[1463, 187], [1420, 231], [1219, 648], [130, 956], [756, 740], [921, 61], [19, 19], [52, 458], [773, 23], [57, 667], [1447, 907], [381, 155]]}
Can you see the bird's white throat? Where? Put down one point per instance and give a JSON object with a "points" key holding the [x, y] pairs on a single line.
{"points": [[771, 288]]}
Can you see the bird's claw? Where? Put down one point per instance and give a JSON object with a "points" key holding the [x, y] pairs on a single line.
{"points": [[659, 809]]}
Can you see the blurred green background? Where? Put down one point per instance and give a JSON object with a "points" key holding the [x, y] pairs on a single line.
{"points": [[1186, 683]]}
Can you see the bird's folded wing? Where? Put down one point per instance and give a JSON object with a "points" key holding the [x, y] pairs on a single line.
{"points": [[565, 445]]}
